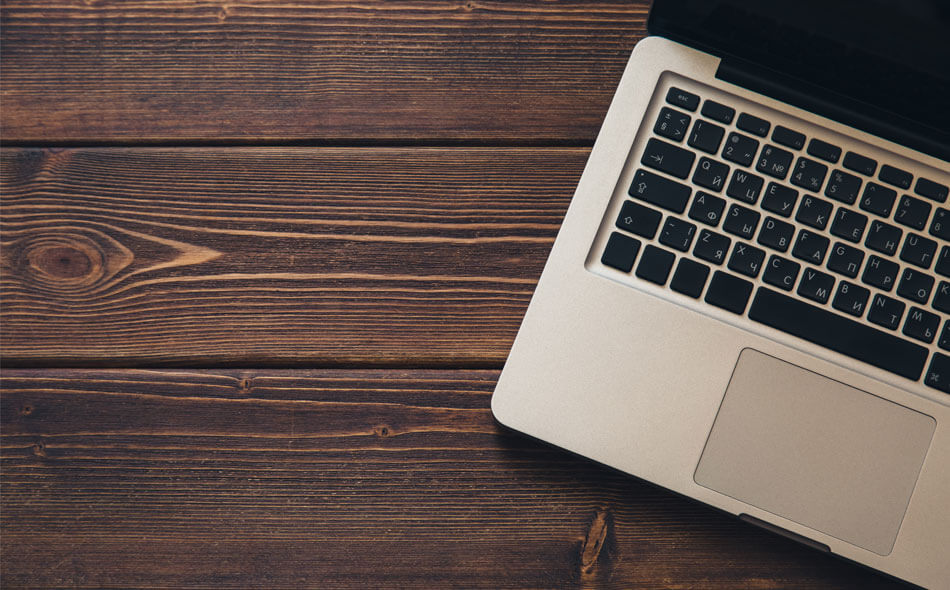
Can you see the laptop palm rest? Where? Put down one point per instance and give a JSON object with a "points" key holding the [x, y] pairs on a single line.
{"points": [[815, 451]]}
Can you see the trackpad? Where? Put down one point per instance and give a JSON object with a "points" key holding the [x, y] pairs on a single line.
{"points": [[815, 451]]}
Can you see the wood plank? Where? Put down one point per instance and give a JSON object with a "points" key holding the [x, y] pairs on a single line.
{"points": [[274, 256], [274, 71], [344, 478]]}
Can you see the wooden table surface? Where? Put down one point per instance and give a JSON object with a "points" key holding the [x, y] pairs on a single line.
{"points": [[261, 265]]}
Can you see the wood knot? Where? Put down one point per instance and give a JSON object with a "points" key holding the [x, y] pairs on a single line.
{"points": [[382, 431], [39, 449], [244, 386], [595, 558], [26, 410]]}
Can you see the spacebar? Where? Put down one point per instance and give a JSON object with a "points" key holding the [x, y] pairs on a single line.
{"points": [[838, 333]]}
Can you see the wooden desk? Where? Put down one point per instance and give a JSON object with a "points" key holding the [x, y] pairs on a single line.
{"points": [[262, 263]]}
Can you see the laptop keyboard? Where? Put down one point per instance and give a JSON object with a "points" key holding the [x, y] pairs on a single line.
{"points": [[793, 232]]}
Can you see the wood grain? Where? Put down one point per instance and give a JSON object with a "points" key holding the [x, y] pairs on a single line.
{"points": [[274, 256], [339, 478], [274, 71]]}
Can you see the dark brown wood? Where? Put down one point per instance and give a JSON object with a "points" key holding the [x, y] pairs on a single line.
{"points": [[274, 256], [339, 478], [271, 70]]}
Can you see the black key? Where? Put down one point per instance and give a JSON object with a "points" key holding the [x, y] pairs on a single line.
{"points": [[718, 112], [814, 212], [843, 187], [849, 225], [824, 150], [886, 312], [788, 138], [915, 285], [638, 219], [912, 212], [728, 292], [706, 136], [845, 260], [781, 272], [672, 124], [668, 158], [883, 237], [689, 278], [878, 199], [776, 234], [655, 264], [810, 247], [746, 259], [774, 161], [940, 226], [740, 149], [880, 273], [895, 176], [707, 208], [918, 250], [681, 98], [753, 124], [944, 340], [931, 190], [938, 373], [712, 247], [660, 191], [921, 325], [816, 285], [620, 252], [780, 199], [808, 174], [677, 234], [711, 174], [851, 298], [943, 262], [860, 164], [741, 221], [941, 300], [838, 333], [745, 186]]}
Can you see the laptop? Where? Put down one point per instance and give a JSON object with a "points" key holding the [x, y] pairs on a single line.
{"points": [[748, 300]]}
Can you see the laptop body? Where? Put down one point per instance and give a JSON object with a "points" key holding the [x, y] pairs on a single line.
{"points": [[747, 302]]}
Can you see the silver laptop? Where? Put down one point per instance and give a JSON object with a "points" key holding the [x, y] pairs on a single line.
{"points": [[748, 300]]}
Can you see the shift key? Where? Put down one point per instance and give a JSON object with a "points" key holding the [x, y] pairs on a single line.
{"points": [[660, 191], [668, 158]]}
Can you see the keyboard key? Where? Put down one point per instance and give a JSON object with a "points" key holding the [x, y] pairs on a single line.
{"points": [[638, 219], [620, 252], [860, 164], [655, 264], [780, 199], [824, 150], [808, 174], [668, 158], [938, 373], [816, 285], [712, 247], [940, 226], [883, 237], [814, 212], [944, 340], [878, 199], [677, 234], [781, 272], [681, 98], [776, 234], [745, 186], [740, 149], [886, 312], [895, 176], [660, 191], [849, 225], [711, 174], [753, 125], [941, 300], [912, 212], [918, 250], [689, 278], [672, 124], [880, 273], [843, 187], [845, 260], [838, 333], [915, 285], [718, 112], [943, 262], [774, 161], [931, 190], [741, 221], [746, 259], [921, 325], [810, 247], [706, 136], [707, 208], [728, 292], [851, 298], [788, 138]]}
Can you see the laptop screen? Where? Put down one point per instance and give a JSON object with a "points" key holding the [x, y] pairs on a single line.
{"points": [[886, 58]]}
